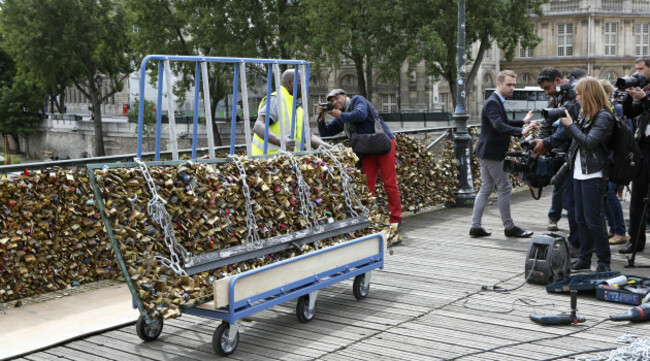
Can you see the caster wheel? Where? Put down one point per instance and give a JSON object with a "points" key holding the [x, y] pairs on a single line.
{"points": [[360, 291], [302, 309], [220, 341], [148, 332]]}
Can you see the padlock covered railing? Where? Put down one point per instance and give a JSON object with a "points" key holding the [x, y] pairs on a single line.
{"points": [[239, 80]]}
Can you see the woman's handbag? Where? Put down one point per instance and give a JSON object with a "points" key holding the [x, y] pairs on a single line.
{"points": [[377, 143]]}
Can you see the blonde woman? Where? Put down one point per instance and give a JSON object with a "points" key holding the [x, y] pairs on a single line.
{"points": [[590, 135]]}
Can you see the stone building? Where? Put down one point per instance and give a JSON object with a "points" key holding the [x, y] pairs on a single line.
{"points": [[603, 37]]}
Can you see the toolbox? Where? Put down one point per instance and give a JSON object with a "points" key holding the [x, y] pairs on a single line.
{"points": [[631, 291], [581, 282]]}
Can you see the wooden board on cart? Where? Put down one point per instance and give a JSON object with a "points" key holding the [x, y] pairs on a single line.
{"points": [[294, 271]]}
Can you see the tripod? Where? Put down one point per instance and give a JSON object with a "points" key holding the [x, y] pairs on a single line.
{"points": [[641, 228]]}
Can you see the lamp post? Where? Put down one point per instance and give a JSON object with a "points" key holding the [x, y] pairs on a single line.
{"points": [[462, 141]]}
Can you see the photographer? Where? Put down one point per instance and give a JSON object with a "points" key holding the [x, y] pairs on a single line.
{"points": [[562, 93], [587, 161], [636, 104], [356, 114]]}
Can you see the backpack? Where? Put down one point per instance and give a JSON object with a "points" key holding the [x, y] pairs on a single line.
{"points": [[625, 154]]}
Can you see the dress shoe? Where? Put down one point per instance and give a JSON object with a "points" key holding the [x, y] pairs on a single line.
{"points": [[617, 239], [478, 232], [517, 232], [629, 248], [552, 226], [603, 268], [580, 265]]}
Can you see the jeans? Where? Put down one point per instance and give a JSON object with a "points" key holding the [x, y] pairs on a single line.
{"points": [[568, 202], [614, 211], [372, 166], [590, 204], [555, 212]]}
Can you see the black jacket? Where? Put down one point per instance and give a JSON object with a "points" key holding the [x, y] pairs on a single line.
{"points": [[496, 130], [592, 138]]}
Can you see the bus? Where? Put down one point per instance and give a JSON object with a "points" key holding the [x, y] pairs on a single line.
{"points": [[523, 100]]}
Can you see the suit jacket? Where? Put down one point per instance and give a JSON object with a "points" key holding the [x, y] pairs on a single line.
{"points": [[496, 130]]}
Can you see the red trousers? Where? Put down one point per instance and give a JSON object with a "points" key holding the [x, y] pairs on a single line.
{"points": [[373, 165]]}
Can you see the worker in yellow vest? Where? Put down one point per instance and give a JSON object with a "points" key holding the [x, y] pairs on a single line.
{"points": [[274, 126]]}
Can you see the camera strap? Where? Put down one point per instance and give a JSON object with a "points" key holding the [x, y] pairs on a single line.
{"points": [[532, 192]]}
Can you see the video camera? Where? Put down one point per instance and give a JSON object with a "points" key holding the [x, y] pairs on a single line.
{"points": [[635, 80], [567, 90], [326, 106], [536, 171]]}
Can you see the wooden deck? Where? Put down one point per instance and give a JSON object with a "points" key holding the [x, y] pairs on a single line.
{"points": [[426, 304]]}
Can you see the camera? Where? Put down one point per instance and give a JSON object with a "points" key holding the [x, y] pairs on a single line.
{"points": [[326, 106], [634, 80], [567, 91], [553, 114], [618, 96], [536, 171]]}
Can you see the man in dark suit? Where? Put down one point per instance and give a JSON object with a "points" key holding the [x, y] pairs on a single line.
{"points": [[491, 149]]}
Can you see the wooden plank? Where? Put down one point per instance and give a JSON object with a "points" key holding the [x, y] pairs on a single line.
{"points": [[291, 272], [72, 354]]}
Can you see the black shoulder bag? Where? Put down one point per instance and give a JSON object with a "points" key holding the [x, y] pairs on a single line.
{"points": [[377, 143]]}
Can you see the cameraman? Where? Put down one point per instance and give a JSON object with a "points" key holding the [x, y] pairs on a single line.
{"points": [[356, 114], [637, 104], [550, 80]]}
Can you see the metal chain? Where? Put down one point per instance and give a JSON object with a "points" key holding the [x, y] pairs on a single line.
{"points": [[158, 213], [306, 206], [638, 349], [252, 238], [350, 194]]}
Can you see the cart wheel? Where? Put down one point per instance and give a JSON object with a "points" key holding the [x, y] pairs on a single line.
{"points": [[302, 309], [151, 331], [220, 342], [360, 291]]}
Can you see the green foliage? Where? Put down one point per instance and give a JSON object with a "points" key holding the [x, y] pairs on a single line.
{"points": [[20, 106], [434, 26], [56, 43], [368, 32], [148, 116]]}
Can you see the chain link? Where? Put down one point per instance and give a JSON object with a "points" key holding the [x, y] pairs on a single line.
{"points": [[638, 349], [158, 213], [350, 194], [252, 238], [306, 206]]}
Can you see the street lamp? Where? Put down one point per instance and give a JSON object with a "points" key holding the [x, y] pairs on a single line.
{"points": [[462, 141]]}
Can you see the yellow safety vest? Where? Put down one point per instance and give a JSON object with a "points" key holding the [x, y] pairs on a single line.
{"points": [[287, 109]]}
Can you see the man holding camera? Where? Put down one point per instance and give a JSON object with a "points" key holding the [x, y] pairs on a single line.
{"points": [[357, 114], [637, 104], [491, 149], [292, 145], [552, 136]]}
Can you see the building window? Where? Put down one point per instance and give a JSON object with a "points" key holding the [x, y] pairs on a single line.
{"points": [[487, 80], [611, 76], [317, 82], [526, 78], [445, 96], [388, 103], [315, 99], [565, 39], [641, 38], [349, 81], [525, 52], [610, 38]]}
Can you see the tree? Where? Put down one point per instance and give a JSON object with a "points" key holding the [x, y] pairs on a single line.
{"points": [[367, 32], [434, 26], [20, 103], [56, 43]]}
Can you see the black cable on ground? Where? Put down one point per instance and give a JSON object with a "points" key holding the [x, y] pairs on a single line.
{"points": [[527, 342]]}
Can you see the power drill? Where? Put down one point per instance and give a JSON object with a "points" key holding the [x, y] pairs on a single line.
{"points": [[639, 313], [562, 318]]}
